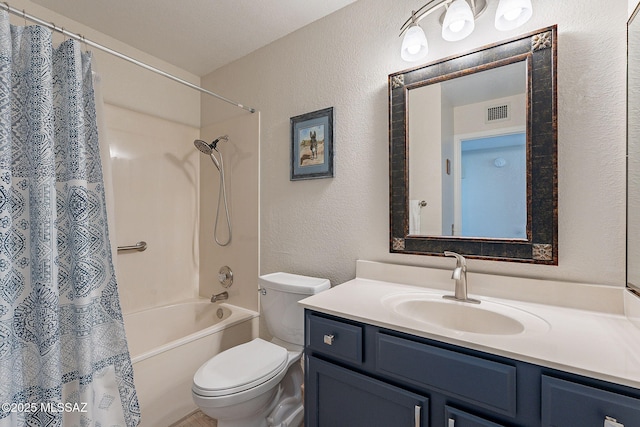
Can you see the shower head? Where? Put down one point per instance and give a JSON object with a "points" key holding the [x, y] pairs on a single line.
{"points": [[203, 146], [207, 148]]}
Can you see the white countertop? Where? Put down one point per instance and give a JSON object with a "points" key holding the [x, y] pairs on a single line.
{"points": [[603, 345]]}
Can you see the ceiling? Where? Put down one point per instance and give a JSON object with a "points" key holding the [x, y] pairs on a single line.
{"points": [[198, 36], [495, 83]]}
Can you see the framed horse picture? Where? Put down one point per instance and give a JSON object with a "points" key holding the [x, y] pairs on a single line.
{"points": [[312, 145]]}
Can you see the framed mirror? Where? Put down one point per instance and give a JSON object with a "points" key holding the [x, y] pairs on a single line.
{"points": [[473, 153], [633, 153]]}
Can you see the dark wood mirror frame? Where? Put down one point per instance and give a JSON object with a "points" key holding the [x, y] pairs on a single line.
{"points": [[539, 49]]}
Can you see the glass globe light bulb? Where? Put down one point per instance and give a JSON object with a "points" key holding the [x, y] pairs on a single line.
{"points": [[458, 21], [456, 26], [414, 44], [513, 14]]}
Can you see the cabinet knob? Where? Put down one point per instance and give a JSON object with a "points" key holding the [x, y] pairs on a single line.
{"points": [[328, 339]]}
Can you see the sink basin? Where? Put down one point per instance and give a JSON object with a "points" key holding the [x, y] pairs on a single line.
{"points": [[487, 318]]}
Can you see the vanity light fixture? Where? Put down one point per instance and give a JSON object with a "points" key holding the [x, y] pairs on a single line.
{"points": [[512, 13], [458, 21], [414, 44]]}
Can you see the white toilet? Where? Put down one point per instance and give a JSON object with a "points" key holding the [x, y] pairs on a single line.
{"points": [[258, 384]]}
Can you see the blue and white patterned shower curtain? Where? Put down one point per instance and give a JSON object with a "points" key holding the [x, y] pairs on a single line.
{"points": [[63, 353]]}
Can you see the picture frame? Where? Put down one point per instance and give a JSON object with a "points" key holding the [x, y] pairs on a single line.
{"points": [[312, 145]]}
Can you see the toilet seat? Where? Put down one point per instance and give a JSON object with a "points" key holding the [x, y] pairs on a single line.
{"points": [[240, 368]]}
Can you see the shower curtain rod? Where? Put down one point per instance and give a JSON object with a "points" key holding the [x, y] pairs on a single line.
{"points": [[91, 43]]}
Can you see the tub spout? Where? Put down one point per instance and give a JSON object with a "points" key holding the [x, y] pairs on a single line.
{"points": [[220, 297]]}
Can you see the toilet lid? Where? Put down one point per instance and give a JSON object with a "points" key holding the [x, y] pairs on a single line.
{"points": [[240, 368]]}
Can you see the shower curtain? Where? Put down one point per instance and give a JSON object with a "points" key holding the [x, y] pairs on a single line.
{"points": [[63, 353]]}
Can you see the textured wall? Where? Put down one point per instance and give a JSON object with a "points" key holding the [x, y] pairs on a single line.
{"points": [[321, 227]]}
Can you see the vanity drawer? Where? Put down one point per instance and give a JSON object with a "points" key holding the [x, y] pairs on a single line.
{"points": [[457, 418], [334, 338], [488, 384], [567, 403]]}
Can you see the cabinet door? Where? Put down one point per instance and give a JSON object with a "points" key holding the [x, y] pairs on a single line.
{"points": [[338, 397]]}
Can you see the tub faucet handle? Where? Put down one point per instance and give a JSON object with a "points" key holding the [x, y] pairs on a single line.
{"points": [[225, 276]]}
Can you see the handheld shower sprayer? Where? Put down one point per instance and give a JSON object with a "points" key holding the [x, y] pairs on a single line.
{"points": [[209, 149]]}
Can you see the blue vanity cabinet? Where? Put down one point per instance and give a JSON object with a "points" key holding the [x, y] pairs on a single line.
{"points": [[359, 375]]}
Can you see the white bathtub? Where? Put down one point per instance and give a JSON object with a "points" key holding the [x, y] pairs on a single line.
{"points": [[168, 344]]}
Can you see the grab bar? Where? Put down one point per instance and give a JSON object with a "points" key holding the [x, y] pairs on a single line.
{"points": [[140, 246]]}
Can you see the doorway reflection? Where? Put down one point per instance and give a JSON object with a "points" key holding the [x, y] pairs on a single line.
{"points": [[493, 188]]}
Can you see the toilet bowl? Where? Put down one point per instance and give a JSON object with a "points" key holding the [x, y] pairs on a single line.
{"points": [[258, 384]]}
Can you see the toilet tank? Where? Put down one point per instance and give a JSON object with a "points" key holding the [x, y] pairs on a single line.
{"points": [[279, 296]]}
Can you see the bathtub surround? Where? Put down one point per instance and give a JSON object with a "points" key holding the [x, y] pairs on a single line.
{"points": [[242, 171], [63, 337], [156, 175]]}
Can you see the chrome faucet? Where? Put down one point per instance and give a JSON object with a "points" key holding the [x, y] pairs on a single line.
{"points": [[460, 276], [220, 297]]}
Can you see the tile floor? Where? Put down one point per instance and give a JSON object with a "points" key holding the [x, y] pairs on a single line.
{"points": [[197, 419]]}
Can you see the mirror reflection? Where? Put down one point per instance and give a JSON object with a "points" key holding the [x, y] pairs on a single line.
{"points": [[468, 155], [473, 153]]}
